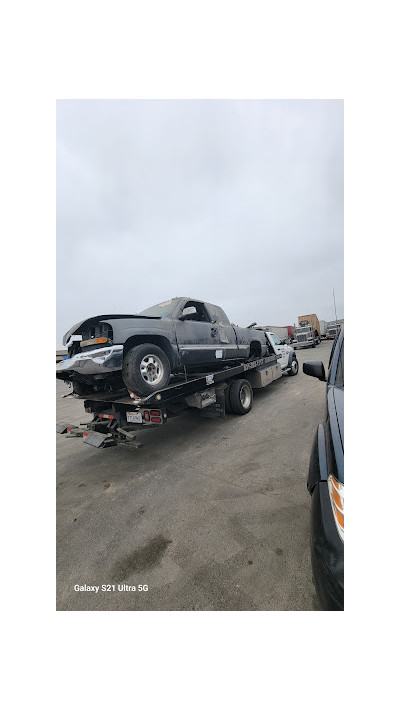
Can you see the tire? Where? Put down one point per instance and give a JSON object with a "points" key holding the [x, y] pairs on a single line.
{"points": [[294, 369], [241, 396], [145, 369], [313, 345], [228, 408]]}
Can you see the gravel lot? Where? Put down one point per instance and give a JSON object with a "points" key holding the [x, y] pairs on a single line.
{"points": [[209, 514]]}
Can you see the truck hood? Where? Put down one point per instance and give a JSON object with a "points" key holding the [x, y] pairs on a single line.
{"points": [[95, 319]]}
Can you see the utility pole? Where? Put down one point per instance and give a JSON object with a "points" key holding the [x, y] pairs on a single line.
{"points": [[334, 304]]}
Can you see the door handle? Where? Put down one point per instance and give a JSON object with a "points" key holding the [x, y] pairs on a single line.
{"points": [[214, 331]]}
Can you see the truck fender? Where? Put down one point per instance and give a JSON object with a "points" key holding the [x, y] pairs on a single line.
{"points": [[318, 469], [291, 356], [158, 338]]}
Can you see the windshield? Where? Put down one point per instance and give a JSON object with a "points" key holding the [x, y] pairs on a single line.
{"points": [[303, 330], [163, 310]]}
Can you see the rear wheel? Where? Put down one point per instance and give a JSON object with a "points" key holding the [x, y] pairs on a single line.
{"points": [[145, 369], [241, 397]]}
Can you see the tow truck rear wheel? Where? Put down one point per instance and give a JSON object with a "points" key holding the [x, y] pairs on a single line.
{"points": [[241, 396], [145, 369]]}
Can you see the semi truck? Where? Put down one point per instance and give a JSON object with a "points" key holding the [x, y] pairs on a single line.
{"points": [[308, 332], [332, 330], [323, 325]]}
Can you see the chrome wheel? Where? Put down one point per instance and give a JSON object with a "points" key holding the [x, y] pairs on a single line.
{"points": [[151, 369], [245, 396], [295, 366]]}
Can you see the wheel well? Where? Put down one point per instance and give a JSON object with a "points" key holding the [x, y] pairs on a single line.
{"points": [[157, 340], [255, 348]]}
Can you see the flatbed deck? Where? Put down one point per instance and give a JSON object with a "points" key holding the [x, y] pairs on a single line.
{"points": [[182, 386], [118, 415]]}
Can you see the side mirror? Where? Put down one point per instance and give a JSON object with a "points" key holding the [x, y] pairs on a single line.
{"points": [[315, 368]]}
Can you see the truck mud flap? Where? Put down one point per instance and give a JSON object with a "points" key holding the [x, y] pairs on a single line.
{"points": [[97, 439]]}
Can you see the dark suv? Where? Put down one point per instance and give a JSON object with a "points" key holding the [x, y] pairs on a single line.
{"points": [[326, 483]]}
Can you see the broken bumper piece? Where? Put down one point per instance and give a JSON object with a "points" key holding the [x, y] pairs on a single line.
{"points": [[101, 360]]}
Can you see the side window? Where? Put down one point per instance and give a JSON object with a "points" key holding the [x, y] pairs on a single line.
{"points": [[339, 378], [275, 339], [188, 311], [194, 311]]}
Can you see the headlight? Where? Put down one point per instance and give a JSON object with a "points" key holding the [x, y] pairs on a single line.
{"points": [[336, 494]]}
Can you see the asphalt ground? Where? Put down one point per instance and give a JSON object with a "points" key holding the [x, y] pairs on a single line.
{"points": [[208, 515]]}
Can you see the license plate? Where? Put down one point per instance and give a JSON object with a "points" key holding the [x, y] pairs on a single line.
{"points": [[134, 417]]}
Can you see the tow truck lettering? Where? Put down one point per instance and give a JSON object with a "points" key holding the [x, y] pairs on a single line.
{"points": [[253, 364]]}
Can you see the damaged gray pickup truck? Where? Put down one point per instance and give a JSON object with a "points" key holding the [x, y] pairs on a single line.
{"points": [[141, 351]]}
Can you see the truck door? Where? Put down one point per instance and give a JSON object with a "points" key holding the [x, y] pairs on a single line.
{"points": [[198, 339], [227, 334], [281, 350]]}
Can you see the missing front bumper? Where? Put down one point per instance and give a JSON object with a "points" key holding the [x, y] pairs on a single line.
{"points": [[100, 360]]}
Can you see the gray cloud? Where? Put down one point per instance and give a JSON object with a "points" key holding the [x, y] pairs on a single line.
{"points": [[236, 202]]}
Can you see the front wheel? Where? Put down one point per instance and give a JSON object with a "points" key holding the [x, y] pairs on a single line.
{"points": [[145, 369], [241, 397], [294, 368]]}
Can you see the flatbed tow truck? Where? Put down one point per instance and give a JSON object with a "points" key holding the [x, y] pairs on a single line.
{"points": [[117, 417]]}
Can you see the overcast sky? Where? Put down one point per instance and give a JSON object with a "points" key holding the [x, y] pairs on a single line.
{"points": [[239, 203]]}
